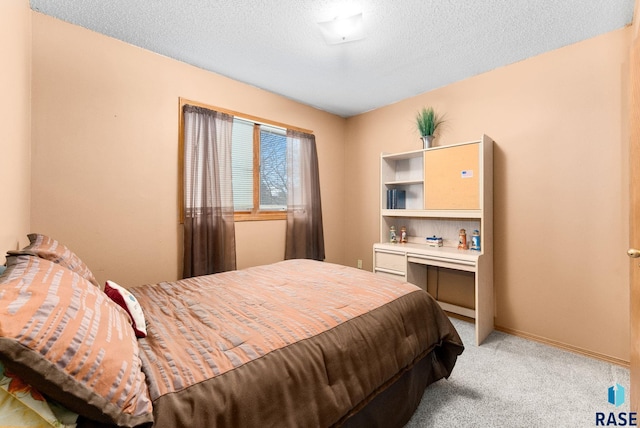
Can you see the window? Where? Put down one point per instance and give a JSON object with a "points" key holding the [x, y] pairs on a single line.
{"points": [[259, 170], [259, 165]]}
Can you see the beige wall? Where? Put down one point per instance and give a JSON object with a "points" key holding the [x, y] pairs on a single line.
{"points": [[561, 179], [105, 153], [105, 171], [15, 122]]}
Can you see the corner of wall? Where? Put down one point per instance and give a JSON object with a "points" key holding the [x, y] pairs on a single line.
{"points": [[15, 120]]}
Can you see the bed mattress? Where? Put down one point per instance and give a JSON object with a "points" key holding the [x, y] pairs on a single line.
{"points": [[296, 343]]}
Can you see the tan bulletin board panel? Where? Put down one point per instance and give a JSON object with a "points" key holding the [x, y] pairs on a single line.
{"points": [[452, 178]]}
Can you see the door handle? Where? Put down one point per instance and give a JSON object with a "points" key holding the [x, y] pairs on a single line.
{"points": [[633, 253]]}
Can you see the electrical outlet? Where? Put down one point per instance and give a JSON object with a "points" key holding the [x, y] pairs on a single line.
{"points": [[359, 264]]}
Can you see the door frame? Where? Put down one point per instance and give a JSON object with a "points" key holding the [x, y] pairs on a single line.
{"points": [[634, 210]]}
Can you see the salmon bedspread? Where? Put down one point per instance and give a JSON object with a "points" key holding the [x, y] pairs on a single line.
{"points": [[297, 343]]}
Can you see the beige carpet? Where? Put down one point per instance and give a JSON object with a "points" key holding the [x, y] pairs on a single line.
{"points": [[513, 382]]}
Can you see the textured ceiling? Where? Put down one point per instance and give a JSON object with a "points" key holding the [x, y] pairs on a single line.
{"points": [[410, 46]]}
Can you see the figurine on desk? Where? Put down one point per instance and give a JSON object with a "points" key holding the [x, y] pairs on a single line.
{"points": [[475, 240], [462, 240], [403, 235], [393, 238]]}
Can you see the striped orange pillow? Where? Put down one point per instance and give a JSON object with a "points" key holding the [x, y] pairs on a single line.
{"points": [[66, 338], [50, 249]]}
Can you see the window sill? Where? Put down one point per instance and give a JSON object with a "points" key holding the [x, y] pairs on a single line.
{"points": [[262, 216]]}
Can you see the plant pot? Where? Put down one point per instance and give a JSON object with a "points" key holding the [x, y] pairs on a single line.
{"points": [[427, 140]]}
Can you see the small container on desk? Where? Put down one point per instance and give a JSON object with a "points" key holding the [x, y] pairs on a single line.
{"points": [[434, 241], [475, 240]]}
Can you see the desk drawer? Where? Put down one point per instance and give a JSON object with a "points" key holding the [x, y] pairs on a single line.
{"points": [[390, 260], [443, 261]]}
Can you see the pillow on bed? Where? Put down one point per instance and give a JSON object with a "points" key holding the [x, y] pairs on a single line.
{"points": [[129, 303], [50, 249], [21, 405], [66, 338]]}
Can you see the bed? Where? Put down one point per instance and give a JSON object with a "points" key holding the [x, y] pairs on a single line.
{"points": [[296, 343]]}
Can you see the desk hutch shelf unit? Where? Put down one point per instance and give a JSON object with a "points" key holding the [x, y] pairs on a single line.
{"points": [[446, 188]]}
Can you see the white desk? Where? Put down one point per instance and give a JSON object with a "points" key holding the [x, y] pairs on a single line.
{"points": [[408, 262]]}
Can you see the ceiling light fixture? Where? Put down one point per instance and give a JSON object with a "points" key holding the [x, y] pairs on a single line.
{"points": [[343, 30]]}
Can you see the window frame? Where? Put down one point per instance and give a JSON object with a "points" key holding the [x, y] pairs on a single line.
{"points": [[255, 214]]}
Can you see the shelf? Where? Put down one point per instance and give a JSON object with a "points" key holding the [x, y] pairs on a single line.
{"points": [[418, 153], [471, 214], [403, 155], [403, 182]]}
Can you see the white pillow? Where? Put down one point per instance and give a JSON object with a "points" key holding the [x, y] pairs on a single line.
{"points": [[129, 303]]}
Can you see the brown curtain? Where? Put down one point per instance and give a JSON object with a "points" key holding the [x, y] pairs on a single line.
{"points": [[305, 236], [209, 231]]}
